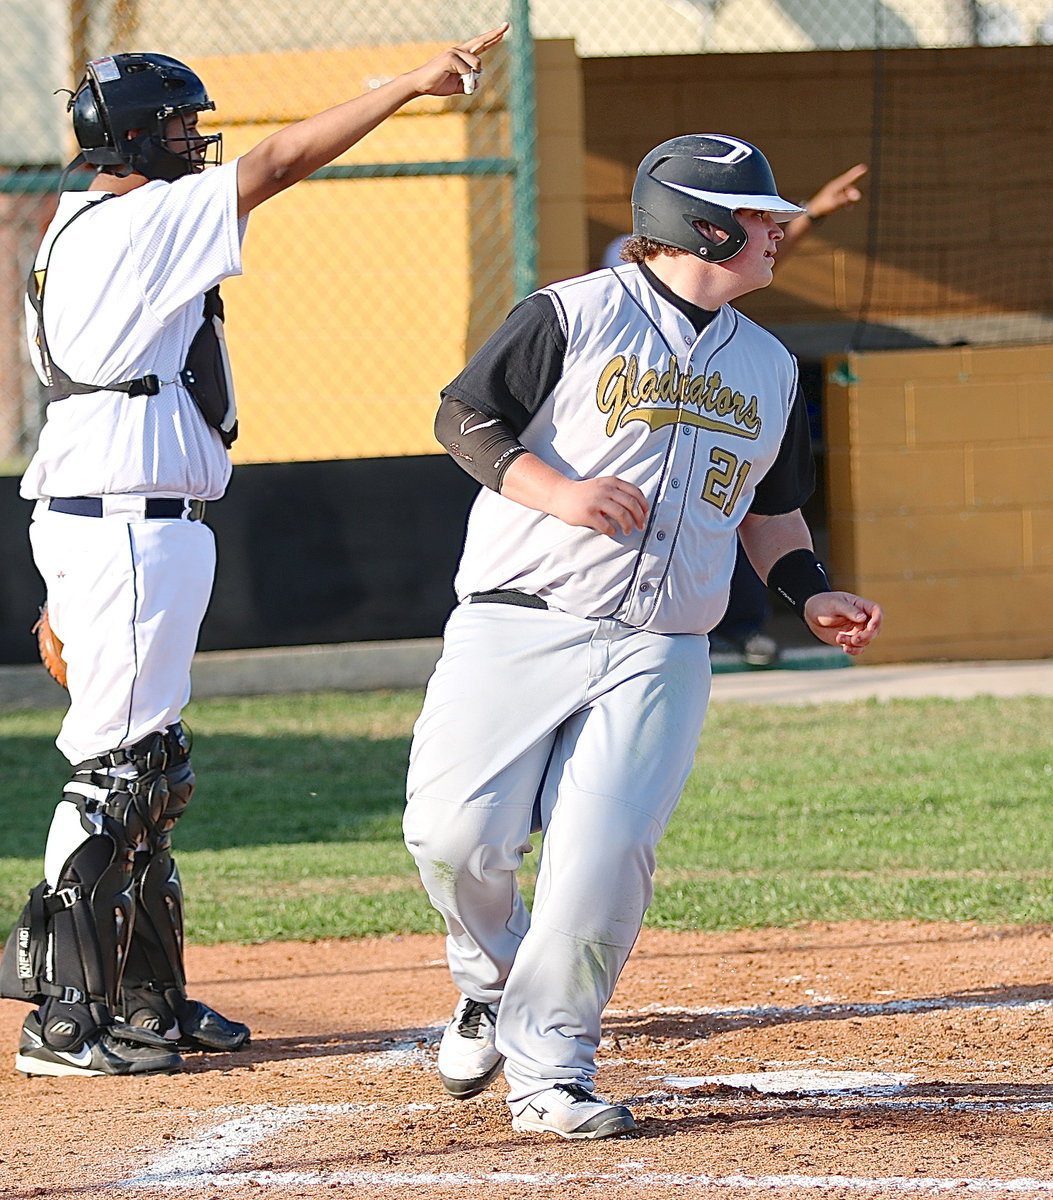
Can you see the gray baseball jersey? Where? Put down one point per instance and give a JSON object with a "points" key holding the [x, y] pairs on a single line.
{"points": [[696, 420]]}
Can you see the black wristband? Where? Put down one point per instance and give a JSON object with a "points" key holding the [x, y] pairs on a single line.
{"points": [[813, 218], [796, 577]]}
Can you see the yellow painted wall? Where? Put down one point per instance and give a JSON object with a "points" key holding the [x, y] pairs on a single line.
{"points": [[560, 108], [362, 298], [940, 497]]}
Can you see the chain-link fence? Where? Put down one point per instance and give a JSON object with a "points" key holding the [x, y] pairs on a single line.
{"points": [[626, 28], [367, 287], [364, 288]]}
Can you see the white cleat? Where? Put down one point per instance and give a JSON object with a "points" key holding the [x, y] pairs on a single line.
{"points": [[572, 1111], [468, 1059]]}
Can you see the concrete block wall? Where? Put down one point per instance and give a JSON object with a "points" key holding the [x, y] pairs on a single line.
{"points": [[940, 497], [432, 251]]}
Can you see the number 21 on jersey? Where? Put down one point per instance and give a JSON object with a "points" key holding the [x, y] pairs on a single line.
{"points": [[724, 480]]}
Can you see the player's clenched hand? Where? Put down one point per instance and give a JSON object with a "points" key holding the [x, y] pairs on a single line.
{"points": [[843, 619], [445, 74], [605, 505]]}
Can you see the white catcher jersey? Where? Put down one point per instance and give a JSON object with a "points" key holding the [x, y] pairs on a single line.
{"points": [[694, 421], [124, 298]]}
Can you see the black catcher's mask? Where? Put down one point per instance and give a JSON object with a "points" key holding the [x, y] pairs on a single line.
{"points": [[141, 92]]}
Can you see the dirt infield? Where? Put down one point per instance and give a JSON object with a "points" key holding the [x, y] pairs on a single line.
{"points": [[830, 1060]]}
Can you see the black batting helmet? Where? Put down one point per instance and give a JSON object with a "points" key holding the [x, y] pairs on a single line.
{"points": [[704, 177], [140, 92]]}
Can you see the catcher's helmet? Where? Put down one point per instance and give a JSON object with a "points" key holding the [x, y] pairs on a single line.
{"points": [[140, 92], [704, 177]]}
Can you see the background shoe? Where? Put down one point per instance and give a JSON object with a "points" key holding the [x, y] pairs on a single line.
{"points": [[468, 1058], [572, 1111], [759, 650], [103, 1054]]}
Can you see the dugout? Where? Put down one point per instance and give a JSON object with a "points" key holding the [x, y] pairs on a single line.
{"points": [[921, 319]]}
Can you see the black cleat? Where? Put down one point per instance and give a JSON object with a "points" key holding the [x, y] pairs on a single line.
{"points": [[202, 1028], [172, 1020]]}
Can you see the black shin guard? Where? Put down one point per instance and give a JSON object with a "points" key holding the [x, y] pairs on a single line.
{"points": [[153, 995], [154, 988], [70, 944]]}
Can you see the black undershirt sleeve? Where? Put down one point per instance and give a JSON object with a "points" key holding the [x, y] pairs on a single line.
{"points": [[483, 411], [791, 479], [489, 404], [513, 373]]}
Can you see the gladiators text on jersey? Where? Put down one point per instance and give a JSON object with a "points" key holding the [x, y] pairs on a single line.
{"points": [[673, 396]]}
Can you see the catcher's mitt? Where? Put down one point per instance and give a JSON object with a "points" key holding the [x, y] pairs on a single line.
{"points": [[50, 648]]}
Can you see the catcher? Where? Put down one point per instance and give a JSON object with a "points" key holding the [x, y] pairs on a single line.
{"points": [[125, 331]]}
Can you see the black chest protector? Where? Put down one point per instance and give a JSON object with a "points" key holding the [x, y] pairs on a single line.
{"points": [[205, 374]]}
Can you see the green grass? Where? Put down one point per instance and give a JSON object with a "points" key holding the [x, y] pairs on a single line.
{"points": [[919, 809]]}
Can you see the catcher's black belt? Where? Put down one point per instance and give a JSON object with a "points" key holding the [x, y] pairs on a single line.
{"points": [[154, 509], [503, 596]]}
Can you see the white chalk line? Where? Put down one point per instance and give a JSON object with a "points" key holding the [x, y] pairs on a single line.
{"points": [[218, 1144], [837, 1008], [413, 1049], [638, 1180], [201, 1163], [801, 1081]]}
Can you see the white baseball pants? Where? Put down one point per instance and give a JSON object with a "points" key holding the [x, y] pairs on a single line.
{"points": [[586, 729], [126, 596]]}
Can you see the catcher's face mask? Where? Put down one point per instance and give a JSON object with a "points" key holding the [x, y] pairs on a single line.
{"points": [[181, 137]]}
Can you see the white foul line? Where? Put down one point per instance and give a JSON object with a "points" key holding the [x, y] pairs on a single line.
{"points": [[199, 1165], [834, 1008], [621, 1180], [193, 1165]]}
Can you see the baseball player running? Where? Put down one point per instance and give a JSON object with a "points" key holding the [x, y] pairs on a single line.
{"points": [[627, 426], [125, 331]]}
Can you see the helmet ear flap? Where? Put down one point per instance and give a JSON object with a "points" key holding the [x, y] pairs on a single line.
{"points": [[713, 249], [92, 127]]}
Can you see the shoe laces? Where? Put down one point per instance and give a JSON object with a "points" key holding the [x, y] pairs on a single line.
{"points": [[468, 1025], [577, 1093]]}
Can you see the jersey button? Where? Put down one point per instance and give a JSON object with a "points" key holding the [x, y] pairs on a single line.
{"points": [[675, 483], [645, 587], [660, 535]]}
